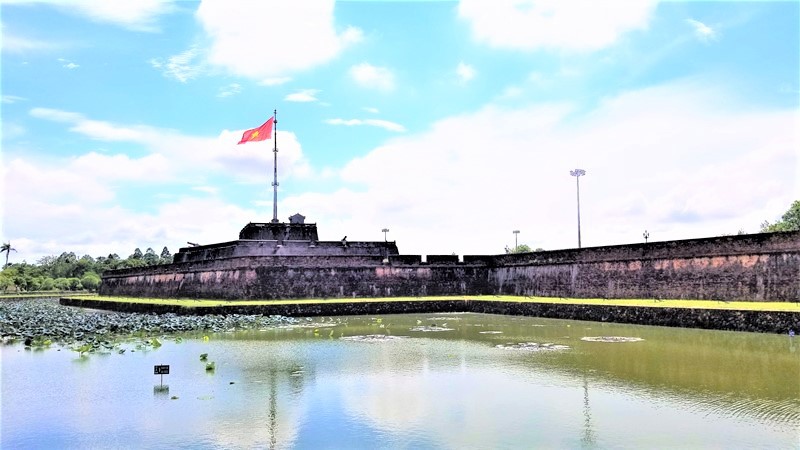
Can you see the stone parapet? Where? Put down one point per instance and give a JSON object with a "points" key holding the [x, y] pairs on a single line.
{"points": [[248, 248]]}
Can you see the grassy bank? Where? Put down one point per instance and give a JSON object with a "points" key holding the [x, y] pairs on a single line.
{"points": [[686, 304], [45, 294]]}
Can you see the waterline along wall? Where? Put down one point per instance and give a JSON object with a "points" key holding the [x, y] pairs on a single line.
{"points": [[763, 267]]}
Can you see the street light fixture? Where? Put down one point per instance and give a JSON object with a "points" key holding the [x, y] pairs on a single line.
{"points": [[385, 230], [516, 245], [645, 235], [578, 173]]}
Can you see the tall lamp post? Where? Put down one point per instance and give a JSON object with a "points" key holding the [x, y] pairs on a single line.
{"points": [[516, 245], [385, 230], [578, 173]]}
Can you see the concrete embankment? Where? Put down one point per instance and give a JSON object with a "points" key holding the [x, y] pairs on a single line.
{"points": [[717, 319]]}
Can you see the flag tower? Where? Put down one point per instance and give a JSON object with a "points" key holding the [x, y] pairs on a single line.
{"points": [[275, 170]]}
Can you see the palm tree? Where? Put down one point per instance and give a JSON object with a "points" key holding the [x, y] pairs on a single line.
{"points": [[6, 247]]}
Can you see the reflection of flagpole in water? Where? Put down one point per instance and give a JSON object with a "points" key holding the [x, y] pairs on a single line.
{"points": [[273, 409], [588, 433]]}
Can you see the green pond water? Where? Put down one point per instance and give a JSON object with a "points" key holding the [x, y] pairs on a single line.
{"points": [[417, 381]]}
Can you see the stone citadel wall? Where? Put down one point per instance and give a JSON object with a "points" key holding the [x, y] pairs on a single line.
{"points": [[242, 248], [762, 267]]}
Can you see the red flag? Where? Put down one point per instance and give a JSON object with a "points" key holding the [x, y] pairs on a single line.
{"points": [[259, 134]]}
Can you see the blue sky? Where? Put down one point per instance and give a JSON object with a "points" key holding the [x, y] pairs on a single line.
{"points": [[450, 123]]}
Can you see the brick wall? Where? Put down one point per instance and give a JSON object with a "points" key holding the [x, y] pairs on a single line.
{"points": [[762, 266], [295, 277], [749, 267]]}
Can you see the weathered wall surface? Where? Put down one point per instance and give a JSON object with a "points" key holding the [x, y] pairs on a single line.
{"points": [[243, 248], [296, 277], [748, 267]]}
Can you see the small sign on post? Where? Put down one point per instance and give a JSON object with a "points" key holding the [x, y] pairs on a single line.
{"points": [[162, 370]]}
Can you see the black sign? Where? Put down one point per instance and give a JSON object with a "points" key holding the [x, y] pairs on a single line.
{"points": [[161, 370]]}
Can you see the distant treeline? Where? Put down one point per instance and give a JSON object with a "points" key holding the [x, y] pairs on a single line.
{"points": [[67, 272]]}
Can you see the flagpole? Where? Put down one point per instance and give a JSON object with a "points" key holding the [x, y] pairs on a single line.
{"points": [[275, 171]]}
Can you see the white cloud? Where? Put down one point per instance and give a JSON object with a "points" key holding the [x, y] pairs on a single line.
{"points": [[580, 25], [190, 155], [183, 66], [304, 95], [275, 81], [56, 115], [93, 129], [352, 35], [99, 231], [511, 92], [385, 124], [231, 89], [67, 64], [12, 99], [17, 44], [12, 130], [373, 77], [465, 72], [267, 40], [80, 192], [680, 160], [207, 189], [120, 167], [670, 159], [371, 110], [139, 15], [702, 31]]}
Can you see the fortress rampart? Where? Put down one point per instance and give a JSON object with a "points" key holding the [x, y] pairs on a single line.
{"points": [[756, 267]]}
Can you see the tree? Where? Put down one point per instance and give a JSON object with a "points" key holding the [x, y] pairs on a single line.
{"points": [[61, 284], [48, 284], [137, 254], [6, 282], [65, 265], [522, 248], [789, 222], [46, 262], [150, 257], [113, 261], [6, 247], [83, 265], [90, 281], [166, 256]]}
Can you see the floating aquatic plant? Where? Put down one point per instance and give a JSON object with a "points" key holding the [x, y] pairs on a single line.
{"points": [[203, 356], [83, 349], [533, 346], [430, 328], [44, 320], [373, 338], [611, 339]]}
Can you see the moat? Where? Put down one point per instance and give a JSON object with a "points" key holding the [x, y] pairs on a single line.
{"points": [[412, 381]]}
